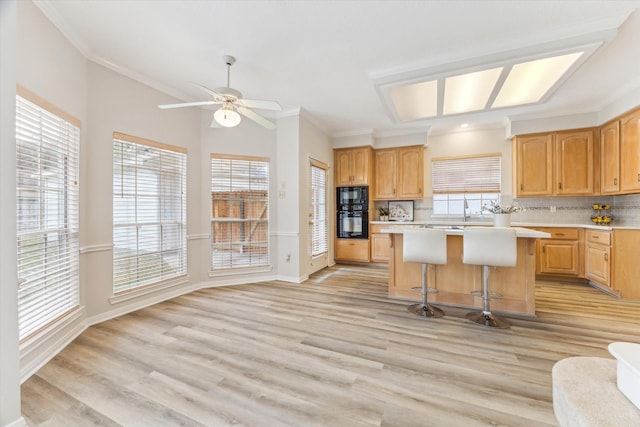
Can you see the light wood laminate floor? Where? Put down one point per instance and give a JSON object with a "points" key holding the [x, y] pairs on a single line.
{"points": [[333, 351]]}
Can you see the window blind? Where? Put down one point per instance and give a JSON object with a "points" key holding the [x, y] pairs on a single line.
{"points": [[478, 174], [318, 239], [149, 212], [239, 212], [47, 215]]}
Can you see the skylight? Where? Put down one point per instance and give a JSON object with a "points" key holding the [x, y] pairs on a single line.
{"points": [[415, 101], [528, 82], [469, 92]]}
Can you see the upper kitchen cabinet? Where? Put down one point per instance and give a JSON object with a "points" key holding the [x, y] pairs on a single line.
{"points": [[399, 173], [574, 158], [630, 152], [533, 165], [610, 158], [353, 166], [554, 164]]}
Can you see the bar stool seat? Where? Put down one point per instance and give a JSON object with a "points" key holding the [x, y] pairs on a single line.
{"points": [[489, 247], [425, 246]]}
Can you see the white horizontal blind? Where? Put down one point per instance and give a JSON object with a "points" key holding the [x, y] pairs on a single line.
{"points": [[478, 174], [318, 238], [149, 212], [47, 216], [239, 212]]}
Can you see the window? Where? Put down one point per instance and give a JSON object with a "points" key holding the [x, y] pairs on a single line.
{"points": [[47, 213], [458, 181], [239, 212], [318, 240], [149, 212]]}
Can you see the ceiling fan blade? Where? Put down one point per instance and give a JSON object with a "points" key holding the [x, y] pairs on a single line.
{"points": [[187, 104], [256, 118], [261, 104], [206, 89]]}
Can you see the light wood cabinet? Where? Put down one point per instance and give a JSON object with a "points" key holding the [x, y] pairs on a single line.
{"points": [[630, 153], [610, 158], [386, 166], [533, 165], [352, 250], [573, 159], [598, 256], [561, 254], [625, 268], [551, 164], [380, 243], [353, 166], [399, 173]]}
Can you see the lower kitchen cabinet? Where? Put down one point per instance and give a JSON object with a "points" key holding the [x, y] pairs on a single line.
{"points": [[352, 250], [380, 244], [625, 267], [562, 253], [597, 261]]}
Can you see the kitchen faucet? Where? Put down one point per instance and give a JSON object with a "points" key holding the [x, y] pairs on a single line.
{"points": [[466, 206]]}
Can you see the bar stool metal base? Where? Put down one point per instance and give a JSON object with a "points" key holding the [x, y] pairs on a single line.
{"points": [[425, 310], [488, 319]]}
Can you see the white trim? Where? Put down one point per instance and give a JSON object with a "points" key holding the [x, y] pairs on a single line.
{"points": [[54, 348], [355, 132], [146, 290], [239, 280], [96, 248], [198, 236], [285, 233], [293, 279], [20, 422], [238, 271]]}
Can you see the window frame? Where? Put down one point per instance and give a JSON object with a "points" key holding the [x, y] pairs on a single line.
{"points": [[230, 261], [168, 231], [316, 208], [48, 146]]}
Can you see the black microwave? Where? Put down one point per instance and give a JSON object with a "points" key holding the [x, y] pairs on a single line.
{"points": [[349, 196]]}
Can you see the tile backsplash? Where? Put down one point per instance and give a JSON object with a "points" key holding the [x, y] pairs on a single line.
{"points": [[568, 210]]}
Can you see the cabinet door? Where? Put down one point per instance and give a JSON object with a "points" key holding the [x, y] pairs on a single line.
{"points": [[380, 245], [597, 263], [534, 165], [360, 166], [630, 152], [559, 257], [610, 158], [343, 167], [352, 250], [410, 173], [574, 163], [385, 174]]}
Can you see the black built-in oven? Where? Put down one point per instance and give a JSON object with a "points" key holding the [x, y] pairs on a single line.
{"points": [[353, 212]]}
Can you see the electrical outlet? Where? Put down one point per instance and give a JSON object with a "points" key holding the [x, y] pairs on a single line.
{"points": [[552, 208]]}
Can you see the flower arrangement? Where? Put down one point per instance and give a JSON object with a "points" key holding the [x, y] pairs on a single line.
{"points": [[495, 207]]}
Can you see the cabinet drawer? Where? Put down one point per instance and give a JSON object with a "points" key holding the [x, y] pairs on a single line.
{"points": [[597, 236], [563, 233], [352, 250], [377, 228]]}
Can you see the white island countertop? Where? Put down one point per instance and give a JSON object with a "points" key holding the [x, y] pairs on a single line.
{"points": [[456, 230]]}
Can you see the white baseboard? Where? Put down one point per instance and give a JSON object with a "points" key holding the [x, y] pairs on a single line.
{"points": [[20, 422]]}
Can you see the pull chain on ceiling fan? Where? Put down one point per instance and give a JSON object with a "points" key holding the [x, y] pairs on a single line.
{"points": [[228, 115]]}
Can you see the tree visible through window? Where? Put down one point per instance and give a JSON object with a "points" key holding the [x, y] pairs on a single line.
{"points": [[239, 212], [47, 214], [149, 212]]}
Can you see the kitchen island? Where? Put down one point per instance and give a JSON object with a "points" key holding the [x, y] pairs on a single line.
{"points": [[455, 281]]}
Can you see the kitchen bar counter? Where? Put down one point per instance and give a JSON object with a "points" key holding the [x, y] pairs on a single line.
{"points": [[456, 280]]}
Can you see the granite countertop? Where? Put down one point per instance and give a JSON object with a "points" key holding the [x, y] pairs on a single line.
{"points": [[513, 223]]}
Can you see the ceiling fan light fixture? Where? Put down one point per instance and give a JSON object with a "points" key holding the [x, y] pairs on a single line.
{"points": [[226, 116]]}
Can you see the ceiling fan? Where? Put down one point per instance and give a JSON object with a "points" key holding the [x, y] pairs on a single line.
{"points": [[232, 103]]}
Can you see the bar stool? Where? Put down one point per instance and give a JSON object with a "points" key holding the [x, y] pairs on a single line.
{"points": [[426, 246], [489, 247]]}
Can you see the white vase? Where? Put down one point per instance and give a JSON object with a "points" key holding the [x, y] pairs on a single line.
{"points": [[502, 220]]}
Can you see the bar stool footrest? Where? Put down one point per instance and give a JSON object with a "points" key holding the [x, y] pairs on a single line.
{"points": [[425, 310], [492, 295], [429, 290]]}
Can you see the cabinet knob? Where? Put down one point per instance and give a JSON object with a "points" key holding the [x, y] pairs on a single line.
{"points": [[639, 177], [521, 187], [615, 181], [560, 185], [606, 257]]}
